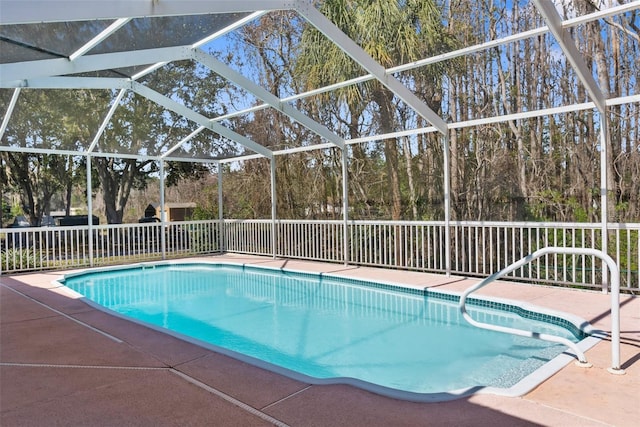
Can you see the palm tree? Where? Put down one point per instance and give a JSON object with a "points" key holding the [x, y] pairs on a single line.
{"points": [[393, 33]]}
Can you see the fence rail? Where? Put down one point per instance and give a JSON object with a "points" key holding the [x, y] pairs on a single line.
{"points": [[476, 248]]}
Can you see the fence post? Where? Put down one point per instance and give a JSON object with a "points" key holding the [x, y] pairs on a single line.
{"points": [[163, 214], [447, 203], [274, 213], [90, 211], [221, 231], [345, 207]]}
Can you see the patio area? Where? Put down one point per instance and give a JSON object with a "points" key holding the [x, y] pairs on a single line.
{"points": [[66, 363]]}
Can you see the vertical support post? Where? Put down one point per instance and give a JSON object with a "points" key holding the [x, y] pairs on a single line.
{"points": [[90, 211], [163, 215], [615, 314], [604, 203], [274, 239], [345, 206], [447, 202], [221, 230]]}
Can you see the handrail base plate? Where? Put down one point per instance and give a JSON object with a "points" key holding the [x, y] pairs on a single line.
{"points": [[616, 371]]}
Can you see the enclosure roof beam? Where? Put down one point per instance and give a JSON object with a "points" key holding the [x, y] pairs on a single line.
{"points": [[183, 141], [99, 38], [325, 26], [400, 68], [107, 61], [107, 119], [468, 124], [180, 109], [469, 50], [9, 112], [37, 11], [232, 27], [569, 23], [550, 14], [68, 83], [237, 24], [228, 73], [36, 150], [150, 69]]}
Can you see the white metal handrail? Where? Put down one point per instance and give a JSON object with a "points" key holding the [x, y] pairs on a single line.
{"points": [[615, 304]]}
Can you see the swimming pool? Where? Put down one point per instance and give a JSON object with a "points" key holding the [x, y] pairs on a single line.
{"points": [[406, 343]]}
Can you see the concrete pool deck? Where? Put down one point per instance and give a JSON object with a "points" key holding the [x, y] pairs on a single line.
{"points": [[63, 362]]}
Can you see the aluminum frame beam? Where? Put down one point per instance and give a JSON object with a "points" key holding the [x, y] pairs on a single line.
{"points": [[454, 54], [554, 21], [133, 58], [205, 40], [330, 30], [230, 74], [183, 141], [17, 71], [149, 69], [239, 23], [99, 38], [107, 119], [429, 129], [516, 37], [9, 112], [178, 108], [37, 11], [68, 83], [457, 125]]}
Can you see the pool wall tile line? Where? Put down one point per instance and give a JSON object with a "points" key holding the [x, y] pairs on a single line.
{"points": [[576, 327], [484, 302]]}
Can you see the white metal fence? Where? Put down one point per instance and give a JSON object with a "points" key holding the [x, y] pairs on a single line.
{"points": [[476, 248], [45, 248]]}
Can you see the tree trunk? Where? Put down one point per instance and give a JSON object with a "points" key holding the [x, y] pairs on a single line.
{"points": [[116, 185], [408, 158], [383, 99]]}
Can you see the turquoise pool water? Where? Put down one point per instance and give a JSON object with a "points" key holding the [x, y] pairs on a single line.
{"points": [[331, 328]]}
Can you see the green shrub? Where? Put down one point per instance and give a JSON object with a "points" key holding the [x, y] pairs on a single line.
{"points": [[22, 259]]}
